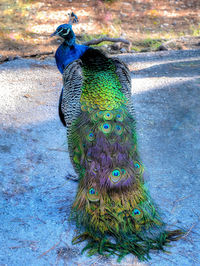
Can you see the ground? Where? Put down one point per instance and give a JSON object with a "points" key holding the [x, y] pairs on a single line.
{"points": [[25, 25], [36, 196]]}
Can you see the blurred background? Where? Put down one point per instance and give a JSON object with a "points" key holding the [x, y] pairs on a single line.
{"points": [[25, 25]]}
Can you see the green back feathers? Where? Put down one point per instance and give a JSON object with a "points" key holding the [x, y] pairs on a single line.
{"points": [[101, 86]]}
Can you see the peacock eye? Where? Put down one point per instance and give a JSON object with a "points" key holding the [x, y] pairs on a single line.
{"points": [[123, 171], [92, 191], [93, 195], [137, 165], [136, 212], [115, 176], [116, 173], [105, 128], [90, 136]]}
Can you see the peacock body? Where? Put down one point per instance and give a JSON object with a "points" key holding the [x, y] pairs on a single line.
{"points": [[112, 208]]}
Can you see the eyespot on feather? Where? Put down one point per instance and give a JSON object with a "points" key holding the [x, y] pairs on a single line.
{"points": [[90, 136], [115, 176], [119, 117], [123, 171], [118, 129], [108, 116], [138, 168], [93, 195], [137, 214], [106, 128], [95, 117], [100, 114]]}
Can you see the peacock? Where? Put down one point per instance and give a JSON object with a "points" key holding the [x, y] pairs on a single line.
{"points": [[113, 210]]}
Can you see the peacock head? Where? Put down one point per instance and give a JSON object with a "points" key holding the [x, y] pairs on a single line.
{"points": [[65, 31]]}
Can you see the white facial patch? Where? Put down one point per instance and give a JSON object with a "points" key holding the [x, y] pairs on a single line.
{"points": [[68, 30]]}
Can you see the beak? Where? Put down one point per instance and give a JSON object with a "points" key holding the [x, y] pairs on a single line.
{"points": [[54, 34]]}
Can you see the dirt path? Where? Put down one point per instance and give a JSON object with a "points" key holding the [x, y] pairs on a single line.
{"points": [[35, 195]]}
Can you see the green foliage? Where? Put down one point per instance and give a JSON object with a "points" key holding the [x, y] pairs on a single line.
{"points": [[147, 44], [109, 1], [153, 43], [195, 30]]}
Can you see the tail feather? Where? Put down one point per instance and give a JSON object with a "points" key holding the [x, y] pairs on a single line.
{"points": [[112, 204], [113, 208]]}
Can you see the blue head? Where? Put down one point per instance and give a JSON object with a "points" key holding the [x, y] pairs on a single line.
{"points": [[68, 51], [65, 31]]}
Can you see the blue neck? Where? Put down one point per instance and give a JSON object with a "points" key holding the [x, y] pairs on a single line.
{"points": [[66, 54], [70, 39]]}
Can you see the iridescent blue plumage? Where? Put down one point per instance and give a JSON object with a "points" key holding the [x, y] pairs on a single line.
{"points": [[66, 54], [68, 51]]}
